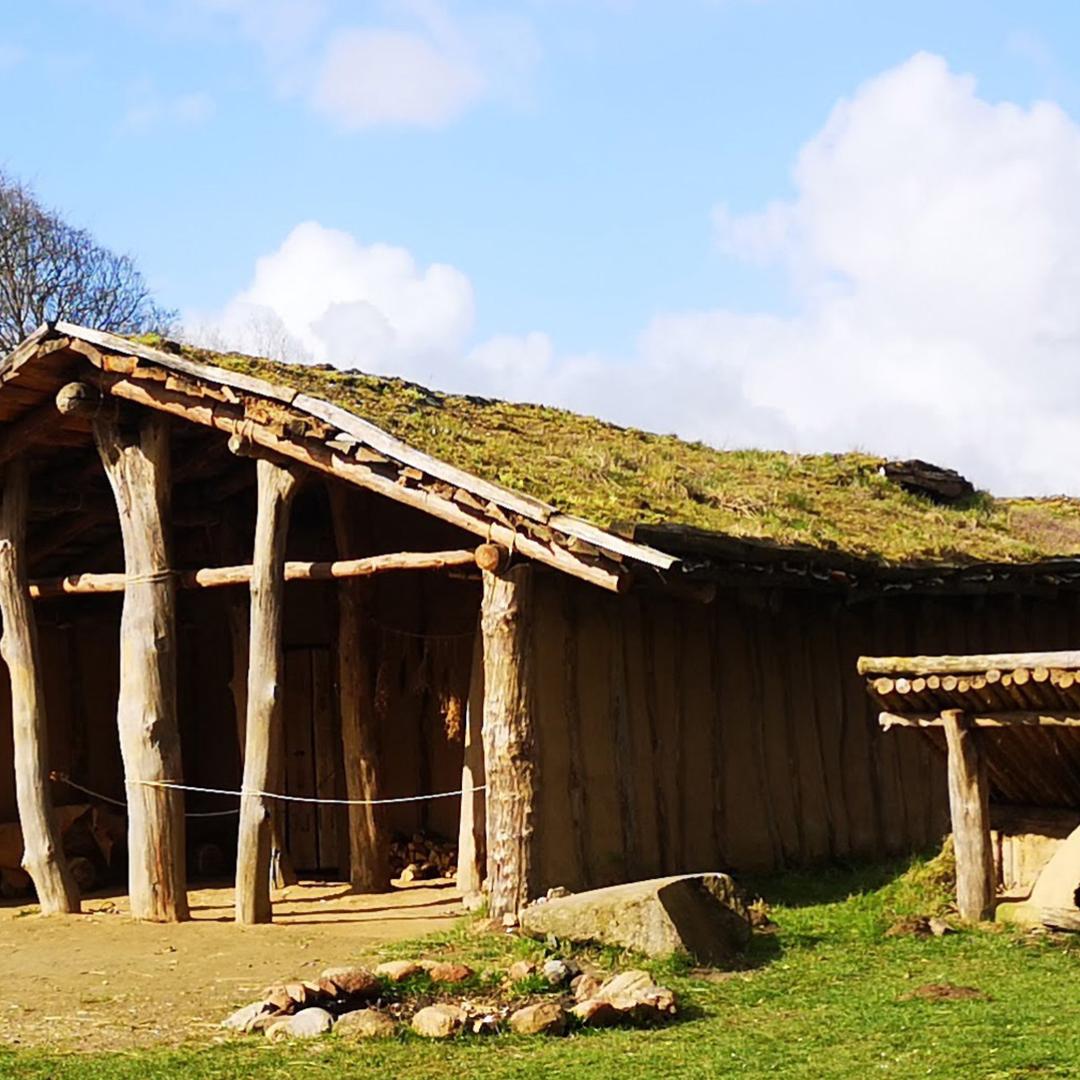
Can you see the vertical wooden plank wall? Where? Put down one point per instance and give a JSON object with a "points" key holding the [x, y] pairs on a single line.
{"points": [[677, 736]]}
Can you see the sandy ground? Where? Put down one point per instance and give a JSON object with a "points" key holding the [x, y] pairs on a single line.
{"points": [[100, 981]]}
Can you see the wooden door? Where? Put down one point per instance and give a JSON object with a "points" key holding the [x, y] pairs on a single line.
{"points": [[312, 760]]}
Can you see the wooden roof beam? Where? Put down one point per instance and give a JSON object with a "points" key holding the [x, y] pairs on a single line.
{"points": [[1017, 718], [215, 414], [965, 665]]}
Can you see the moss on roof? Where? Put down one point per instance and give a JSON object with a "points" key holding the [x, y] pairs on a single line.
{"points": [[612, 475]]}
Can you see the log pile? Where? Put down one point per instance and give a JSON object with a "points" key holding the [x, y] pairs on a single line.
{"points": [[422, 857]]}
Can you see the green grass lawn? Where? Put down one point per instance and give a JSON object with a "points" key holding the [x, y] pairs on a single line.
{"points": [[827, 995]]}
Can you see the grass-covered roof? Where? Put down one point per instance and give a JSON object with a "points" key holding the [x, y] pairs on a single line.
{"points": [[613, 475]]}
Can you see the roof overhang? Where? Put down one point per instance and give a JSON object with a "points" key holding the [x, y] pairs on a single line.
{"points": [[283, 422]]}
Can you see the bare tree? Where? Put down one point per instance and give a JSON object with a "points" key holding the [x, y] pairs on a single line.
{"points": [[51, 270]]}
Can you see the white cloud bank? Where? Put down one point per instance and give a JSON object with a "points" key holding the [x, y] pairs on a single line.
{"points": [[423, 63], [932, 245]]}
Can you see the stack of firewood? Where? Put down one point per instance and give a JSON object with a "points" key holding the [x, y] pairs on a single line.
{"points": [[422, 857]]}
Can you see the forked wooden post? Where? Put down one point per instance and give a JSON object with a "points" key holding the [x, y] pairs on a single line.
{"points": [[472, 855], [263, 735], [138, 471], [43, 856], [969, 805], [369, 865], [509, 738]]}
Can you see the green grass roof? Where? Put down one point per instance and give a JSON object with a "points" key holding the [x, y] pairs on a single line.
{"points": [[613, 475]]}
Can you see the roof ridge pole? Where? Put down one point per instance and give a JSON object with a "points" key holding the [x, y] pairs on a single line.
{"points": [[969, 806], [43, 855], [138, 467], [264, 736]]}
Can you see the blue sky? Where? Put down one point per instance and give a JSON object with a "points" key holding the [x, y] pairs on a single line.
{"points": [[596, 178]]}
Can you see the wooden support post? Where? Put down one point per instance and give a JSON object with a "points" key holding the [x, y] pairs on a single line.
{"points": [[472, 853], [138, 471], [282, 873], [369, 864], [509, 738], [263, 736], [43, 856], [969, 804]]}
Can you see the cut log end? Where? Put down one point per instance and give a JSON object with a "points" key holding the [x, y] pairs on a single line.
{"points": [[77, 399], [493, 558]]}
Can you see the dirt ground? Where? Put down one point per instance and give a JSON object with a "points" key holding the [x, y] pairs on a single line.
{"points": [[99, 981]]}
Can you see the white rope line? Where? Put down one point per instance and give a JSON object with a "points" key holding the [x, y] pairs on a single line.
{"points": [[120, 802], [169, 784]]}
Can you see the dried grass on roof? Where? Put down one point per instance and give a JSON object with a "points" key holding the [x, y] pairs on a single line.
{"points": [[613, 475]]}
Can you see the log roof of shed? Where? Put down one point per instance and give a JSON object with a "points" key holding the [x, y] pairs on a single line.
{"points": [[1025, 705], [633, 495]]}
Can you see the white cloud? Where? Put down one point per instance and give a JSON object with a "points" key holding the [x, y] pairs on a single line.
{"points": [[150, 111], [374, 77], [325, 296], [932, 246]]}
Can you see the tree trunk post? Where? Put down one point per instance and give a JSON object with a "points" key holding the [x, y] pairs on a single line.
{"points": [[43, 855], [263, 735], [369, 864], [969, 805], [471, 831], [509, 738], [138, 471]]}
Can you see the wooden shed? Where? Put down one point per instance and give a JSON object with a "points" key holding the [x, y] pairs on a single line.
{"points": [[631, 654], [1006, 725]]}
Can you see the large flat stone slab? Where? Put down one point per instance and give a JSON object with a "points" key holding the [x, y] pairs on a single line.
{"points": [[697, 914]]}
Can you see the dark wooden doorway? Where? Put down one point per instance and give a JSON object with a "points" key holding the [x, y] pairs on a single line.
{"points": [[313, 834]]}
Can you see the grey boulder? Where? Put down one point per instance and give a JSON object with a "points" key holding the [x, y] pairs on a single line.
{"points": [[700, 915]]}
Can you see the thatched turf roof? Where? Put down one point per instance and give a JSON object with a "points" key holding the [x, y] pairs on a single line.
{"points": [[615, 476]]}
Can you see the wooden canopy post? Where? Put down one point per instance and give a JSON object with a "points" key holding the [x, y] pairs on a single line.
{"points": [[969, 805], [239, 620], [43, 855], [509, 738], [138, 472], [369, 863], [472, 855], [263, 735]]}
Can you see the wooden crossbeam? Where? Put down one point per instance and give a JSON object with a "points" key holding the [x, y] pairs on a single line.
{"points": [[221, 576], [1019, 718], [965, 665]]}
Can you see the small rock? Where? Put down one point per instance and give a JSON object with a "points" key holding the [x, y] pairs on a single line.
{"points": [[626, 982], [595, 1012], [365, 1024], [509, 920], [243, 1018], [486, 1024], [939, 927], [556, 972], [585, 986], [298, 992], [521, 970], [398, 970], [450, 973], [438, 1021], [306, 1024], [279, 1000], [544, 1018], [410, 873], [354, 982], [557, 892], [910, 925]]}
